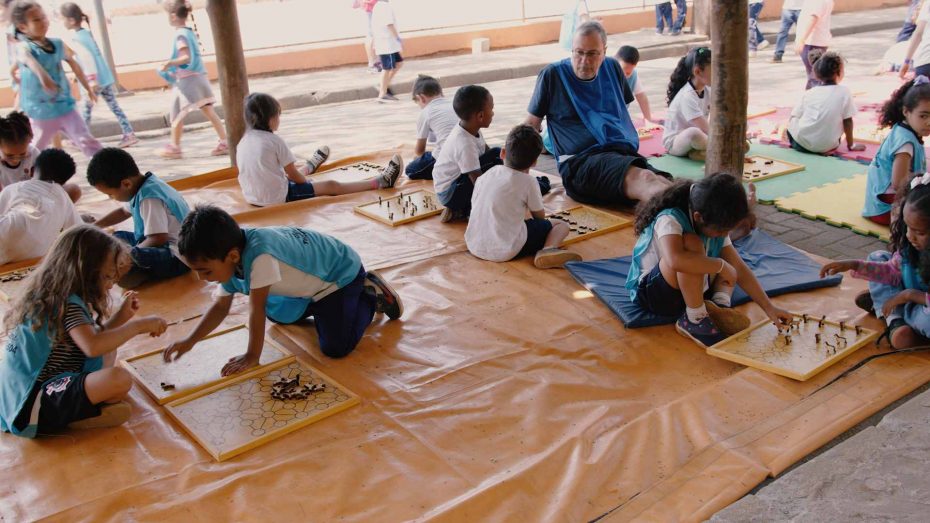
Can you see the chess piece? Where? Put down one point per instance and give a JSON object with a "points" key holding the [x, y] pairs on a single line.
{"points": [[817, 338], [858, 330], [787, 340], [804, 317], [379, 201], [842, 326]]}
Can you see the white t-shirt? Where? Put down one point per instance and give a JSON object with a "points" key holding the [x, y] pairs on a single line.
{"points": [[261, 157], [285, 280], [817, 122], [460, 154], [502, 199], [664, 226], [922, 55], [820, 36], [157, 219], [637, 87], [22, 172], [32, 214], [436, 121], [792, 5], [381, 17], [686, 106]]}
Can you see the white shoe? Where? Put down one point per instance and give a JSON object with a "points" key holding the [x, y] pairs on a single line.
{"points": [[315, 161], [763, 44]]}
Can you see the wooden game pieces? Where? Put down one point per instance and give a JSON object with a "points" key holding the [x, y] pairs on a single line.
{"points": [[758, 168], [585, 222]]}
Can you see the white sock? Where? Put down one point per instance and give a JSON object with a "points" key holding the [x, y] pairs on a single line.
{"points": [[697, 314], [721, 298]]}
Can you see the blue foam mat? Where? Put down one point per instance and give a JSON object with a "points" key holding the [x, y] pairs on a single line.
{"points": [[780, 269]]}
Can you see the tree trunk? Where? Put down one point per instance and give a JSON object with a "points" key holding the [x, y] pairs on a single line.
{"points": [[700, 17], [230, 63], [729, 29]]}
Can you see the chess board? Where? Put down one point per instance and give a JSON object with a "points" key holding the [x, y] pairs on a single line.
{"points": [[870, 134], [403, 208], [586, 222], [758, 168], [199, 368], [795, 352], [12, 282], [354, 172], [235, 417]]}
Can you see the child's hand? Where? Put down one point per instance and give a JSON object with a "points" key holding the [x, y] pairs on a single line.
{"points": [[857, 147], [91, 97], [838, 267], [780, 317], [153, 325], [905, 296], [904, 69], [238, 364], [176, 350], [164, 67], [128, 307]]}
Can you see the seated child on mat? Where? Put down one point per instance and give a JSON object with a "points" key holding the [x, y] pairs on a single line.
{"points": [[465, 155], [18, 155], [437, 119], [156, 208], [826, 110], [901, 153], [688, 100], [267, 173], [683, 241], [57, 371], [289, 274], [497, 230], [897, 289], [34, 212], [628, 56]]}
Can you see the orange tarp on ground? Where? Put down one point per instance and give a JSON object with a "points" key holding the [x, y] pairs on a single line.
{"points": [[504, 393]]}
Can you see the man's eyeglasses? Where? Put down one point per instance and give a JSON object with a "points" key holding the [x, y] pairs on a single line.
{"points": [[580, 53]]}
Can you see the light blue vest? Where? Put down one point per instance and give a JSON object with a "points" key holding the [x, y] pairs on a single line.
{"points": [[712, 246], [314, 253], [27, 352], [193, 47], [879, 176], [36, 103], [910, 276], [104, 75], [155, 187]]}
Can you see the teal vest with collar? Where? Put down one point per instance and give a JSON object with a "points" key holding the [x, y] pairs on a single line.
{"points": [[36, 103], [27, 352], [879, 174], [316, 254], [712, 246], [155, 187]]}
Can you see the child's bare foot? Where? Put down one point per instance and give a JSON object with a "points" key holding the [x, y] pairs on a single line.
{"points": [[697, 155]]}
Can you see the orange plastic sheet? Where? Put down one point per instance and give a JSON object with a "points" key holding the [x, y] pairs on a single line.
{"points": [[504, 393]]}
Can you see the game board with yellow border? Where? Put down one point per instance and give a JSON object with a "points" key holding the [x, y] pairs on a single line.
{"points": [[586, 222], [354, 172], [11, 282], [870, 133], [402, 208], [757, 168], [803, 350]]}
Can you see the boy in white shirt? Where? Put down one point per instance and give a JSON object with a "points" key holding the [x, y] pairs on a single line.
{"points": [[813, 33], [498, 229], [436, 120], [35, 211], [628, 56], [388, 45]]}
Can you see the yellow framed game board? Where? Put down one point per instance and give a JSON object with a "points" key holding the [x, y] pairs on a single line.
{"points": [[359, 170], [757, 168], [586, 222], [801, 352], [870, 134], [12, 281], [235, 417], [403, 208], [755, 112], [199, 368]]}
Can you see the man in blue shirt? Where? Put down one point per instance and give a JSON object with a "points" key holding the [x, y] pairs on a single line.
{"points": [[583, 100]]}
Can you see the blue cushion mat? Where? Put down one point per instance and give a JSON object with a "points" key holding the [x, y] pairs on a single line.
{"points": [[780, 269]]}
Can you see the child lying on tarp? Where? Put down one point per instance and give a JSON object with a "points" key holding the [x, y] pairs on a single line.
{"points": [[289, 274], [684, 253]]}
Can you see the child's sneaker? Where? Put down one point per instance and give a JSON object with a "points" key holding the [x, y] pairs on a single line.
{"points": [[170, 152], [763, 44], [704, 332], [388, 98], [729, 321], [554, 258], [221, 148], [388, 300], [128, 141], [111, 415], [391, 172], [449, 215], [315, 161], [375, 68]]}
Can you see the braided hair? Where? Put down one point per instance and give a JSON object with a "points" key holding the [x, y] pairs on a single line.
{"points": [[15, 128]]}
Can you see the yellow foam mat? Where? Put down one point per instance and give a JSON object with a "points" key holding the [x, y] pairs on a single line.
{"points": [[839, 204]]}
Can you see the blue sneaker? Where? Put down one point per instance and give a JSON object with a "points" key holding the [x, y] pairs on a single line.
{"points": [[704, 333]]}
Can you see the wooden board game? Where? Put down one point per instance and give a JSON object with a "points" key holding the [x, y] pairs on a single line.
{"points": [[235, 417], [870, 134], [11, 282], [800, 352], [403, 208], [354, 172], [586, 222], [758, 168], [199, 368]]}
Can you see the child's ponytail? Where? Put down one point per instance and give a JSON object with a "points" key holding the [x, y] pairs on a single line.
{"points": [[697, 57], [15, 128], [72, 11], [907, 97]]}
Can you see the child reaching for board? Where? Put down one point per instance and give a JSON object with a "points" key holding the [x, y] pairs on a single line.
{"points": [[897, 288], [688, 100], [57, 371], [684, 254], [901, 153], [267, 171], [289, 274]]}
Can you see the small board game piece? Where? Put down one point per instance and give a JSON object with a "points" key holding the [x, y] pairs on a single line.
{"points": [[764, 167], [842, 326], [817, 338], [413, 206], [858, 330], [167, 386], [586, 222]]}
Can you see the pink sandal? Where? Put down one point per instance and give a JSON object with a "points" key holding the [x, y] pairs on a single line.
{"points": [[170, 152], [221, 149]]}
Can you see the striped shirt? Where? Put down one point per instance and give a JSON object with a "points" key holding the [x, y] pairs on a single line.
{"points": [[66, 356]]}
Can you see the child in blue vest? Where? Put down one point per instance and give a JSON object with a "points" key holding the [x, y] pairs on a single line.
{"points": [[684, 253], [901, 153], [897, 292], [156, 209], [45, 94], [57, 367], [289, 274], [97, 70], [188, 76]]}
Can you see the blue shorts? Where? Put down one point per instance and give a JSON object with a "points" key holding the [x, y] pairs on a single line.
{"points": [[299, 191], [537, 230], [63, 401], [656, 295], [390, 61]]}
